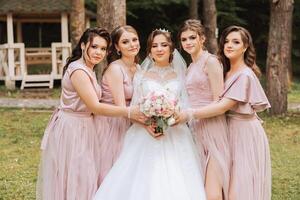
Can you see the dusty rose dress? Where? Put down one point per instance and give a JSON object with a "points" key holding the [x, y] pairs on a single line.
{"points": [[68, 168], [111, 130], [251, 168], [211, 135]]}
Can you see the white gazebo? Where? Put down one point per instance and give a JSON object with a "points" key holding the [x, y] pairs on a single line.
{"points": [[23, 19]]}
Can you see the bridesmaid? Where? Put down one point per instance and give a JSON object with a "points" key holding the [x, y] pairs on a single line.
{"points": [[117, 90], [242, 98], [68, 167], [204, 84]]}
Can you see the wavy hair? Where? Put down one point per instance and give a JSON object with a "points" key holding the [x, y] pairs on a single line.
{"points": [[116, 34], [249, 55], [86, 37]]}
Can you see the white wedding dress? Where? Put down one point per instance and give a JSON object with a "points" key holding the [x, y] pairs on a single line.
{"points": [[155, 169]]}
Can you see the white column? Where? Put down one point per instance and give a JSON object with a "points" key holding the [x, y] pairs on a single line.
{"points": [[10, 84], [64, 39]]}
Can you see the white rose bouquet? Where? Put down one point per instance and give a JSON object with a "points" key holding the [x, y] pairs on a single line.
{"points": [[159, 107]]}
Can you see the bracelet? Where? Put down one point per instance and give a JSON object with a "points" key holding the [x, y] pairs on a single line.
{"points": [[190, 115], [129, 112]]}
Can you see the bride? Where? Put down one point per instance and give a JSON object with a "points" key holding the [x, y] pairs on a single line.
{"points": [[156, 166]]}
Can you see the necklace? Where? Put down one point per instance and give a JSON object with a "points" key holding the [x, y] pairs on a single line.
{"points": [[162, 72]]}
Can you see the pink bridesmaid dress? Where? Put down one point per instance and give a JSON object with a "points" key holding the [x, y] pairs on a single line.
{"points": [[211, 134], [68, 168], [251, 165], [111, 130]]}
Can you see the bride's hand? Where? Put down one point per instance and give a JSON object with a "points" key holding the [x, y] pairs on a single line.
{"points": [[151, 131], [180, 117], [136, 115]]}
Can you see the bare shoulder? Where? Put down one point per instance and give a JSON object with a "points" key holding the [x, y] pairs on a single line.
{"points": [[213, 61], [213, 65], [114, 69]]}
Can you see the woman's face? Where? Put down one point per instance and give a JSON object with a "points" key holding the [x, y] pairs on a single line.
{"points": [[96, 51], [234, 47], [191, 42], [129, 44], [160, 50]]}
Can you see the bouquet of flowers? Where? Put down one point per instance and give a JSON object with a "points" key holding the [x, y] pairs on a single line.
{"points": [[159, 107]]}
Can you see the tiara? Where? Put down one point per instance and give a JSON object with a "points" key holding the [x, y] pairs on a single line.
{"points": [[163, 30]]}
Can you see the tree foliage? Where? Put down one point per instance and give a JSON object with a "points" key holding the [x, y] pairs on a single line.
{"points": [[146, 15]]}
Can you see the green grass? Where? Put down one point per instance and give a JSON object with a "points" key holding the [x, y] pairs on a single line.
{"points": [[20, 135], [284, 138], [21, 132], [53, 93], [294, 93]]}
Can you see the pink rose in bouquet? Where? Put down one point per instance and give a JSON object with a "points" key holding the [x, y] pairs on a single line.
{"points": [[160, 107]]}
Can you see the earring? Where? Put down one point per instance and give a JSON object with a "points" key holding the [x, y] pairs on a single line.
{"points": [[151, 57], [82, 54], [118, 53]]}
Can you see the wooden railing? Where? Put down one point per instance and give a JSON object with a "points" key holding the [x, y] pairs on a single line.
{"points": [[3, 63], [60, 53], [38, 56], [13, 61]]}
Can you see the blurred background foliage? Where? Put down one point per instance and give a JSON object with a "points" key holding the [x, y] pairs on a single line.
{"points": [[146, 15]]}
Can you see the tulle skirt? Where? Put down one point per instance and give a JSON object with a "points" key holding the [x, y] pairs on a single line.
{"points": [[67, 168], [211, 137], [251, 167], [110, 139], [155, 169]]}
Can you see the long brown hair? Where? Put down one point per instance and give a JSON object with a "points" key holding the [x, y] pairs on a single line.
{"points": [[116, 34], [86, 37], [168, 36], [249, 55]]}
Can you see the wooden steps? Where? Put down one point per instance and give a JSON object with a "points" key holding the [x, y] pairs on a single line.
{"points": [[37, 81]]}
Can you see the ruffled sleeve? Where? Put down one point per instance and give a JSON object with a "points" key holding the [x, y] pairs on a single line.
{"points": [[247, 90]]}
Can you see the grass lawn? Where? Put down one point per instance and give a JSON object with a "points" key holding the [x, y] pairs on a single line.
{"points": [[294, 93], [47, 93], [21, 132]]}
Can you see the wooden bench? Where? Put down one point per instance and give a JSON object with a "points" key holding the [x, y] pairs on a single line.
{"points": [[36, 56]]}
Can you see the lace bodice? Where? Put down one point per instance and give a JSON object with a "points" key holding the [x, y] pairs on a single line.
{"points": [[156, 79], [171, 86], [197, 82]]}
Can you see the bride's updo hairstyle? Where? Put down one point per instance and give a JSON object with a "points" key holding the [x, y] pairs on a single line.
{"points": [[167, 35]]}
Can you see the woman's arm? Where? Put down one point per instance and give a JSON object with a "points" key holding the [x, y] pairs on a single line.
{"points": [[85, 90], [115, 79], [214, 71], [211, 110], [214, 109]]}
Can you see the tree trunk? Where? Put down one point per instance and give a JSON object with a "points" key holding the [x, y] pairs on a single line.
{"points": [[111, 13], [77, 20], [279, 54], [194, 9], [210, 24], [288, 37]]}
